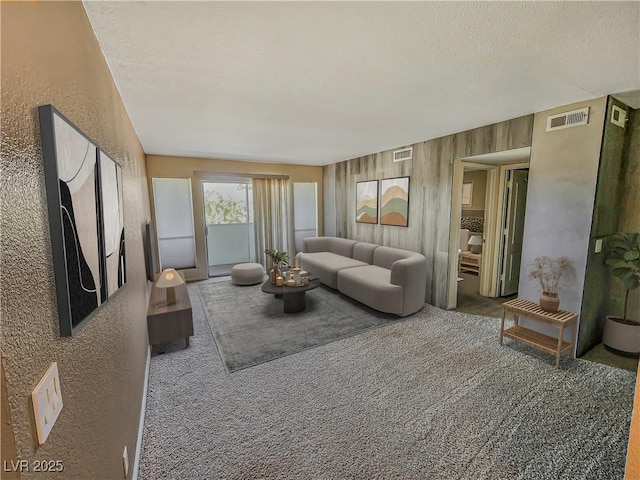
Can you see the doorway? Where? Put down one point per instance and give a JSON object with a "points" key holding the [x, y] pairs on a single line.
{"points": [[229, 233], [510, 254], [487, 222]]}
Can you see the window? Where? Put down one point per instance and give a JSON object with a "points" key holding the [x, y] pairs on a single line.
{"points": [[228, 210], [305, 212], [174, 222], [227, 203]]}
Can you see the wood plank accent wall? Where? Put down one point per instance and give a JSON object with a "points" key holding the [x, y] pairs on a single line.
{"points": [[431, 172]]}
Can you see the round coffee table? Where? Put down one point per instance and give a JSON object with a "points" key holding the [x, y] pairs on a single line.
{"points": [[294, 298]]}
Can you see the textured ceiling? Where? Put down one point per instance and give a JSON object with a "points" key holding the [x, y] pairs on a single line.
{"points": [[315, 83]]}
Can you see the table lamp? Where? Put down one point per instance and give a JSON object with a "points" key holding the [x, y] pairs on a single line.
{"points": [[168, 280], [475, 243]]}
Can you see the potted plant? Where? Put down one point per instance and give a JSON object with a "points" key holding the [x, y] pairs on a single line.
{"points": [[552, 274], [623, 258], [278, 258]]}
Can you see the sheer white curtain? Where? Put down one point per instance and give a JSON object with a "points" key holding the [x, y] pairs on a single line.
{"points": [[271, 216]]}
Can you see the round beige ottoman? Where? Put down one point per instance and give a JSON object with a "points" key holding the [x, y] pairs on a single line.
{"points": [[247, 274]]}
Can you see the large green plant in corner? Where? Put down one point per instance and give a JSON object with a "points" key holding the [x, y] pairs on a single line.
{"points": [[623, 258]]}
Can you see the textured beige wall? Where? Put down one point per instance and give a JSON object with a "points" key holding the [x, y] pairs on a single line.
{"points": [[184, 167], [479, 179], [50, 55], [8, 448]]}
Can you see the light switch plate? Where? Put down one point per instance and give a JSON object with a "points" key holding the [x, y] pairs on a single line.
{"points": [[598, 248], [618, 116], [47, 402]]}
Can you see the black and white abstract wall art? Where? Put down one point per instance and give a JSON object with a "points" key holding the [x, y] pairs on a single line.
{"points": [[113, 223], [71, 178]]}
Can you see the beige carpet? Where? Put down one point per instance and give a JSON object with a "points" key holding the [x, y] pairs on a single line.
{"points": [[432, 397]]}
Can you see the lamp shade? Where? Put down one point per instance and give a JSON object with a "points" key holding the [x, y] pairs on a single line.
{"points": [[475, 240], [169, 278], [475, 243]]}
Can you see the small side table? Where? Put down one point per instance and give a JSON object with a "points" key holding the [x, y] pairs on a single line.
{"points": [[470, 262], [167, 323], [560, 319]]}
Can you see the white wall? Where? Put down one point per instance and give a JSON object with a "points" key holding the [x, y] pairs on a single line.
{"points": [[562, 184]]}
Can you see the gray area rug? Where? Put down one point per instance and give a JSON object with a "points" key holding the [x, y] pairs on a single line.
{"points": [[431, 397], [250, 328]]}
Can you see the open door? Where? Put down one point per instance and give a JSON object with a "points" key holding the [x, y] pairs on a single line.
{"points": [[229, 235], [514, 230]]}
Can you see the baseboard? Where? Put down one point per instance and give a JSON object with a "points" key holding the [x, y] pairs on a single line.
{"points": [[143, 408]]}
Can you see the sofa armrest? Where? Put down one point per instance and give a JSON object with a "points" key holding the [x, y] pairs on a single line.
{"points": [[411, 274]]}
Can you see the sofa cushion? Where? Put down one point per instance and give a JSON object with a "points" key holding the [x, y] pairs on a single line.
{"points": [[326, 265], [372, 286], [364, 252], [316, 244], [342, 246], [337, 245]]}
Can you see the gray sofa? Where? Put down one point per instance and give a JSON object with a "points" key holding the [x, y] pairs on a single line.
{"points": [[387, 279]]}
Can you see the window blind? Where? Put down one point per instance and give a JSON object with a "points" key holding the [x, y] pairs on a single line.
{"points": [[305, 212], [174, 222]]}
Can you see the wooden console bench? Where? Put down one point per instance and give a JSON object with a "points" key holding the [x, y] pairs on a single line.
{"points": [[530, 310]]}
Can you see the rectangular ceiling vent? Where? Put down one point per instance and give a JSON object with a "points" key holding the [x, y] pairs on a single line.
{"points": [[574, 118], [402, 155]]}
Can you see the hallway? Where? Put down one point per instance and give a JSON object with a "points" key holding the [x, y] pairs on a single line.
{"points": [[470, 302]]}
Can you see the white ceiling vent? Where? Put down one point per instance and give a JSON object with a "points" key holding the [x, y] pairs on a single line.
{"points": [[574, 118], [402, 155]]}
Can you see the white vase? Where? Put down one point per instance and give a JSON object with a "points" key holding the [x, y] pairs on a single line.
{"points": [[621, 336]]}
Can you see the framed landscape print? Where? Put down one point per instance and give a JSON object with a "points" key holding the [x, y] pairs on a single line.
{"points": [[71, 179], [113, 223], [467, 194], [367, 202], [394, 201]]}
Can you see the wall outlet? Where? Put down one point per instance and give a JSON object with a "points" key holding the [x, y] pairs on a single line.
{"points": [[125, 462], [47, 402]]}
